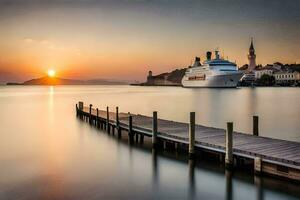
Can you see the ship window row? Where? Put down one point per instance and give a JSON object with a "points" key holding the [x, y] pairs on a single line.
{"points": [[201, 77], [222, 64], [228, 70]]}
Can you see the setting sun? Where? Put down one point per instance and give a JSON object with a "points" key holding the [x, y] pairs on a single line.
{"points": [[51, 73]]}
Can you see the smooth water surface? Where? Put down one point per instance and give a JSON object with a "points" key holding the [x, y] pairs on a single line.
{"points": [[47, 153]]}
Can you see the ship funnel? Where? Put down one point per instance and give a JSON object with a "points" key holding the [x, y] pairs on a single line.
{"points": [[208, 55], [197, 62], [217, 54]]}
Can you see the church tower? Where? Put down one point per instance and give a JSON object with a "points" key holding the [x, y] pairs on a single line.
{"points": [[251, 57]]}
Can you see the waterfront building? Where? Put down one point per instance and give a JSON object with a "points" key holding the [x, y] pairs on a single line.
{"points": [[287, 78], [249, 69], [150, 78], [251, 57], [260, 72], [248, 78]]}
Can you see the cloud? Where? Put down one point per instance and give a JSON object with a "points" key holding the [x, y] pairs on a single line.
{"points": [[45, 43], [40, 41], [28, 40]]}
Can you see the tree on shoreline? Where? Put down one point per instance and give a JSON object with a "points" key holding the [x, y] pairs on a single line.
{"points": [[266, 80]]}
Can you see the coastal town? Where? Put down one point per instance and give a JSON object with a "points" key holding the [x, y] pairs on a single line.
{"points": [[276, 74]]}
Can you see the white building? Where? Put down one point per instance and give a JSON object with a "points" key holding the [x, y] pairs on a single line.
{"points": [[282, 77], [248, 77], [260, 72]]}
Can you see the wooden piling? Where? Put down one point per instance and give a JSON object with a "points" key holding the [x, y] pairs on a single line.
{"points": [[142, 138], [229, 155], [154, 130], [221, 158], [101, 125], [118, 122], [257, 165], [255, 125], [165, 144], [136, 138], [119, 133], [192, 181], [90, 116], [97, 119], [117, 116], [80, 105], [258, 181], [80, 109], [192, 135], [130, 132], [228, 175], [77, 113], [107, 119]]}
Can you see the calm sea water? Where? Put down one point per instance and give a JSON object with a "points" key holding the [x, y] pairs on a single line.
{"points": [[47, 153]]}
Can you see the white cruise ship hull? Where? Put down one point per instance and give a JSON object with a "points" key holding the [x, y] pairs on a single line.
{"points": [[229, 80]]}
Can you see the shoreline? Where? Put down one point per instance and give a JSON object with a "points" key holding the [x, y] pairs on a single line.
{"points": [[275, 86], [145, 85]]}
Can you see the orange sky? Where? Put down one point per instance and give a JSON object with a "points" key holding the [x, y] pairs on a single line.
{"points": [[125, 40]]}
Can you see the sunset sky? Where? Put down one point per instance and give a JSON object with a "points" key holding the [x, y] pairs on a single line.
{"points": [[124, 39]]}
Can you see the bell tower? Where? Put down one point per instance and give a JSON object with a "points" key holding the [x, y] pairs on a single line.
{"points": [[251, 57]]}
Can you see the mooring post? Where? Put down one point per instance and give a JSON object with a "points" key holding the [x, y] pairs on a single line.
{"points": [[118, 122], [255, 125], [130, 132], [90, 113], [76, 109], [107, 119], [176, 146], [257, 165], [101, 125], [164, 144], [228, 175], [117, 116], [259, 187], [97, 119], [142, 138], [192, 182], [192, 135], [154, 130], [228, 156], [80, 108], [136, 137], [80, 105]]}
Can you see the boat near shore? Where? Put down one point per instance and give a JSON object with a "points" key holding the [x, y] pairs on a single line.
{"points": [[213, 73]]}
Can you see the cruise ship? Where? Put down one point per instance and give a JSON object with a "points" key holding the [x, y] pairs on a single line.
{"points": [[216, 73]]}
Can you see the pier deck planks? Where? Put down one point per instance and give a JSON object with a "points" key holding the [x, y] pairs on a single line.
{"points": [[285, 152]]}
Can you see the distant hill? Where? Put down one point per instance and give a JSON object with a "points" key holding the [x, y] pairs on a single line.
{"points": [[176, 75], [172, 78], [60, 81], [52, 81]]}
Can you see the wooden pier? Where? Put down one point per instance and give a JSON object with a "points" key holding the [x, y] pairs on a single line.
{"points": [[268, 156]]}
